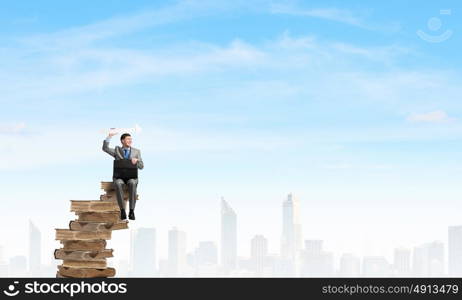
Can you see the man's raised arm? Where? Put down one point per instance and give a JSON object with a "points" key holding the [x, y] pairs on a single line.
{"points": [[106, 147]]}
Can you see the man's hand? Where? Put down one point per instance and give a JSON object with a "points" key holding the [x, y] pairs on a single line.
{"points": [[134, 161], [111, 133]]}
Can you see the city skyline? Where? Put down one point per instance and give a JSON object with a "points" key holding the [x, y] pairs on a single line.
{"points": [[431, 259]]}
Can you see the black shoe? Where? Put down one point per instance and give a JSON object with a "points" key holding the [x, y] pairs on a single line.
{"points": [[131, 214], [123, 214]]}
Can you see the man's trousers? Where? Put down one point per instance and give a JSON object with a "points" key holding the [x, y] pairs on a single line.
{"points": [[119, 184]]}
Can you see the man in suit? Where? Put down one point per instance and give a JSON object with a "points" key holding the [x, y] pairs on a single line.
{"points": [[126, 151]]}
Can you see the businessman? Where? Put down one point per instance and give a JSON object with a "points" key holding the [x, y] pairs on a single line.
{"points": [[126, 151]]}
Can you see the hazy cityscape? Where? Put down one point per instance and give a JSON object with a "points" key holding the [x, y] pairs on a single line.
{"points": [[298, 257]]}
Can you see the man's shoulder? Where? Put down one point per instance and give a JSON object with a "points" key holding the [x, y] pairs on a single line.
{"points": [[135, 149]]}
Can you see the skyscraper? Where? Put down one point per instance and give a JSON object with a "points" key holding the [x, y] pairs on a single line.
{"points": [[291, 241], [402, 262], [228, 237], [206, 259], [3, 264], [428, 259], [144, 252], [176, 252], [455, 250], [315, 261], [18, 266], [349, 265], [2, 255], [419, 261], [206, 253], [35, 246], [375, 266], [258, 253], [436, 258]]}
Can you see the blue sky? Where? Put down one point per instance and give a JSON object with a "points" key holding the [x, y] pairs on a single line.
{"points": [[340, 102]]}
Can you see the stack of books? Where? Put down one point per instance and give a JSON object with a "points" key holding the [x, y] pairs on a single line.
{"points": [[83, 249]]}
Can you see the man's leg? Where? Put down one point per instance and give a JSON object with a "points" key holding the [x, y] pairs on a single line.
{"points": [[132, 184], [119, 185]]}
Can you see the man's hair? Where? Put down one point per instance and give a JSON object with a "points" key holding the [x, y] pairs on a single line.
{"points": [[123, 136]]}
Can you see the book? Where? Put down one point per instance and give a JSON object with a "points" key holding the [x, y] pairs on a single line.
{"points": [[83, 251]]}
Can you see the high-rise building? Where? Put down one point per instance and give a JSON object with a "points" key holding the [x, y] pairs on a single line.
{"points": [[428, 259], [349, 265], [419, 261], [176, 252], [35, 246], [315, 261], [205, 259], [402, 262], [455, 251], [436, 258], [206, 253], [123, 268], [313, 246], [291, 240], [258, 253], [3, 264], [163, 267], [18, 266], [376, 266], [2, 257], [228, 237], [143, 252]]}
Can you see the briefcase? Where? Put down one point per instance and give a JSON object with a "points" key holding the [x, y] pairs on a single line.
{"points": [[125, 169]]}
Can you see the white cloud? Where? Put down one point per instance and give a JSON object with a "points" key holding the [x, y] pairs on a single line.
{"points": [[283, 68], [430, 117], [348, 165], [336, 166], [332, 14], [344, 16], [80, 144], [79, 36], [50, 146], [13, 128], [179, 11], [302, 68], [68, 61], [90, 69]]}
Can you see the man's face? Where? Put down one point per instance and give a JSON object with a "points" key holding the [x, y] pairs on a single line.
{"points": [[127, 141]]}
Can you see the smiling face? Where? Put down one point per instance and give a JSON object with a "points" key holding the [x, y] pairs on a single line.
{"points": [[126, 140]]}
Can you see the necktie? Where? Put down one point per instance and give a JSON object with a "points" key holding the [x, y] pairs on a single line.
{"points": [[126, 153]]}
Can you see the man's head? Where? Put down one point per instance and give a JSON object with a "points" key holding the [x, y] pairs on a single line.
{"points": [[126, 140]]}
